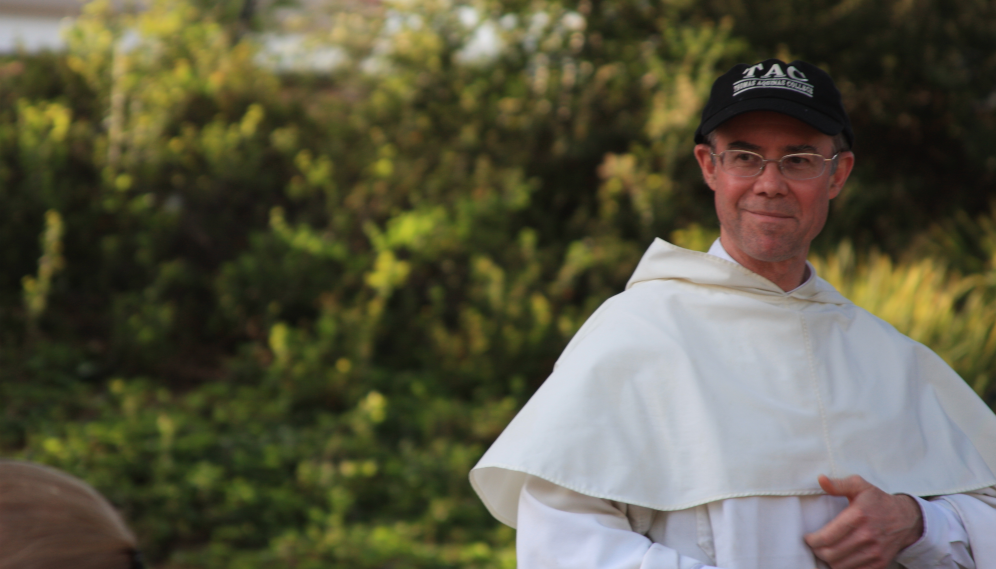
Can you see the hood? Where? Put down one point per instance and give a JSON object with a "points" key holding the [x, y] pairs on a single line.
{"points": [[664, 261]]}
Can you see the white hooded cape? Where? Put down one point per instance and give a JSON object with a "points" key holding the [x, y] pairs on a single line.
{"points": [[705, 381]]}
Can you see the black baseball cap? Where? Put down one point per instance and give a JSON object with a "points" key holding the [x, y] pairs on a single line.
{"points": [[798, 89]]}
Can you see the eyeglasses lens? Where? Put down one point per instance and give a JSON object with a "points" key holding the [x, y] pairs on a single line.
{"points": [[746, 164]]}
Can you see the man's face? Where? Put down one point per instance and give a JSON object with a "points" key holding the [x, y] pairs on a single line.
{"points": [[770, 218]]}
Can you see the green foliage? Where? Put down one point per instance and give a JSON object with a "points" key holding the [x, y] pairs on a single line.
{"points": [[953, 314], [36, 289], [277, 318]]}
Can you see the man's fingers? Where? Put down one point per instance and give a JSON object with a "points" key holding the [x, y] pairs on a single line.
{"points": [[826, 483], [834, 532], [851, 560], [870, 530], [848, 487]]}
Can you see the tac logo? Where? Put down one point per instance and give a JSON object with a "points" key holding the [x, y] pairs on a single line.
{"points": [[756, 77]]}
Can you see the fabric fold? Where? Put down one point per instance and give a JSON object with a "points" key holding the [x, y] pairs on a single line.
{"points": [[700, 382]]}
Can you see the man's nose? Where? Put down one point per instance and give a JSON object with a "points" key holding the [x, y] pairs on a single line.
{"points": [[770, 181]]}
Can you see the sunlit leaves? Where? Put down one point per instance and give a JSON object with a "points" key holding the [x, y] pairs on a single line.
{"points": [[296, 307]]}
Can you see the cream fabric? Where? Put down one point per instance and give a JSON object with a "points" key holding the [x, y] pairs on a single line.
{"points": [[704, 381], [562, 528], [976, 512]]}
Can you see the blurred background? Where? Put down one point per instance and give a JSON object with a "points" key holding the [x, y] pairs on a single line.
{"points": [[34, 25], [275, 274]]}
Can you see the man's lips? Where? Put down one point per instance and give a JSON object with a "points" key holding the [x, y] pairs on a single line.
{"points": [[770, 214]]}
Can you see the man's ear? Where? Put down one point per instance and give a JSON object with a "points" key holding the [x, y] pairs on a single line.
{"points": [[703, 153], [845, 163]]}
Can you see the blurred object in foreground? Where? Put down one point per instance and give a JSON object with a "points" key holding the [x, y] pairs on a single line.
{"points": [[50, 520]]}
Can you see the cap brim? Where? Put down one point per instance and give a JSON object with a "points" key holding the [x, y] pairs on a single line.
{"points": [[816, 119]]}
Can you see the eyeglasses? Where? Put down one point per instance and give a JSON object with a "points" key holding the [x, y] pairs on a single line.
{"points": [[746, 164]]}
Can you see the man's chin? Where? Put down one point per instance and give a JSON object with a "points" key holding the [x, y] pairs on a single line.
{"points": [[772, 252]]}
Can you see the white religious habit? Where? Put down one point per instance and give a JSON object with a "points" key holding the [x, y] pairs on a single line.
{"points": [[687, 421]]}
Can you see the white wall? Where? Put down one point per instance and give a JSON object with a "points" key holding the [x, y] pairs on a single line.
{"points": [[31, 33], [34, 24]]}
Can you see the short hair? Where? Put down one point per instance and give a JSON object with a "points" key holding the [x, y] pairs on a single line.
{"points": [[51, 520], [839, 142]]}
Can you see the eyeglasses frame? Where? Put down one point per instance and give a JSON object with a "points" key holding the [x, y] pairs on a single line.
{"points": [[764, 163]]}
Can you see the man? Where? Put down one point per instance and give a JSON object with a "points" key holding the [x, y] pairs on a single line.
{"points": [[731, 409]]}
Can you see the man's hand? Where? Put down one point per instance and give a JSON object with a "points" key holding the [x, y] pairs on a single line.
{"points": [[871, 531]]}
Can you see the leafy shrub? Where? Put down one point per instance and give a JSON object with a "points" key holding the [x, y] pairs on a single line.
{"points": [[277, 318]]}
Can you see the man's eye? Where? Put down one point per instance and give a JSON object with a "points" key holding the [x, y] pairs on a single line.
{"points": [[799, 160], [743, 157]]}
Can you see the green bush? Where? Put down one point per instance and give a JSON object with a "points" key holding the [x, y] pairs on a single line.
{"points": [[276, 318]]}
